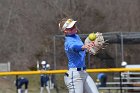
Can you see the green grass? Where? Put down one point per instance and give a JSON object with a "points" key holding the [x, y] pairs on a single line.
{"points": [[7, 86]]}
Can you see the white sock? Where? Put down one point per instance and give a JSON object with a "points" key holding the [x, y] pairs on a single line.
{"points": [[48, 89], [52, 86], [19, 90], [41, 90], [26, 91]]}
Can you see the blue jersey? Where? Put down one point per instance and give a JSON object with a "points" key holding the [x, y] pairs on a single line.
{"points": [[21, 81], [74, 52]]}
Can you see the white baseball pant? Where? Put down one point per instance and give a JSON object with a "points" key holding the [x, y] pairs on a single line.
{"points": [[79, 82]]}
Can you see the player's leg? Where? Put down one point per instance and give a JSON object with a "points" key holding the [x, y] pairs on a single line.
{"points": [[26, 87], [19, 90], [48, 89], [19, 87], [90, 86], [41, 89], [74, 82], [46, 84], [41, 84], [52, 77]]}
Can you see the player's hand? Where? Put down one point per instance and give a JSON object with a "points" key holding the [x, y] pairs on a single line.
{"points": [[93, 47], [88, 46]]}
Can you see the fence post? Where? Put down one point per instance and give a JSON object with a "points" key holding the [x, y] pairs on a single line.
{"points": [[16, 83], [120, 83]]}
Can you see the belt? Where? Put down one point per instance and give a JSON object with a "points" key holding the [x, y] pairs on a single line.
{"points": [[78, 69]]}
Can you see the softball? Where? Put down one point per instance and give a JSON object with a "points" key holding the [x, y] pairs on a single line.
{"points": [[92, 36]]}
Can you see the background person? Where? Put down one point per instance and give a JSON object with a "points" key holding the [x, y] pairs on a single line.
{"points": [[20, 82], [102, 79], [125, 75], [44, 78]]}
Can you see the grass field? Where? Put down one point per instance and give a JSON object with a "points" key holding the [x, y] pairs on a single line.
{"points": [[7, 84]]}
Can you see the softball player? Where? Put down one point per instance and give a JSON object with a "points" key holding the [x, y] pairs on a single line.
{"points": [[20, 82], [102, 78], [44, 79], [76, 79]]}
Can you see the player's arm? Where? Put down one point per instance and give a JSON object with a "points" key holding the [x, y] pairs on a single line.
{"points": [[74, 47], [78, 48], [88, 46]]}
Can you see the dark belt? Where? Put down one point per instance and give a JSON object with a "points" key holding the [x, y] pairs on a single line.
{"points": [[79, 69]]}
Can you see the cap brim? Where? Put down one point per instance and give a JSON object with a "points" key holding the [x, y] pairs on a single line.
{"points": [[71, 24]]}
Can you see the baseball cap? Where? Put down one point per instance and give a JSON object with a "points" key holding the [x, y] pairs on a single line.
{"points": [[123, 63], [68, 24], [43, 62]]}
